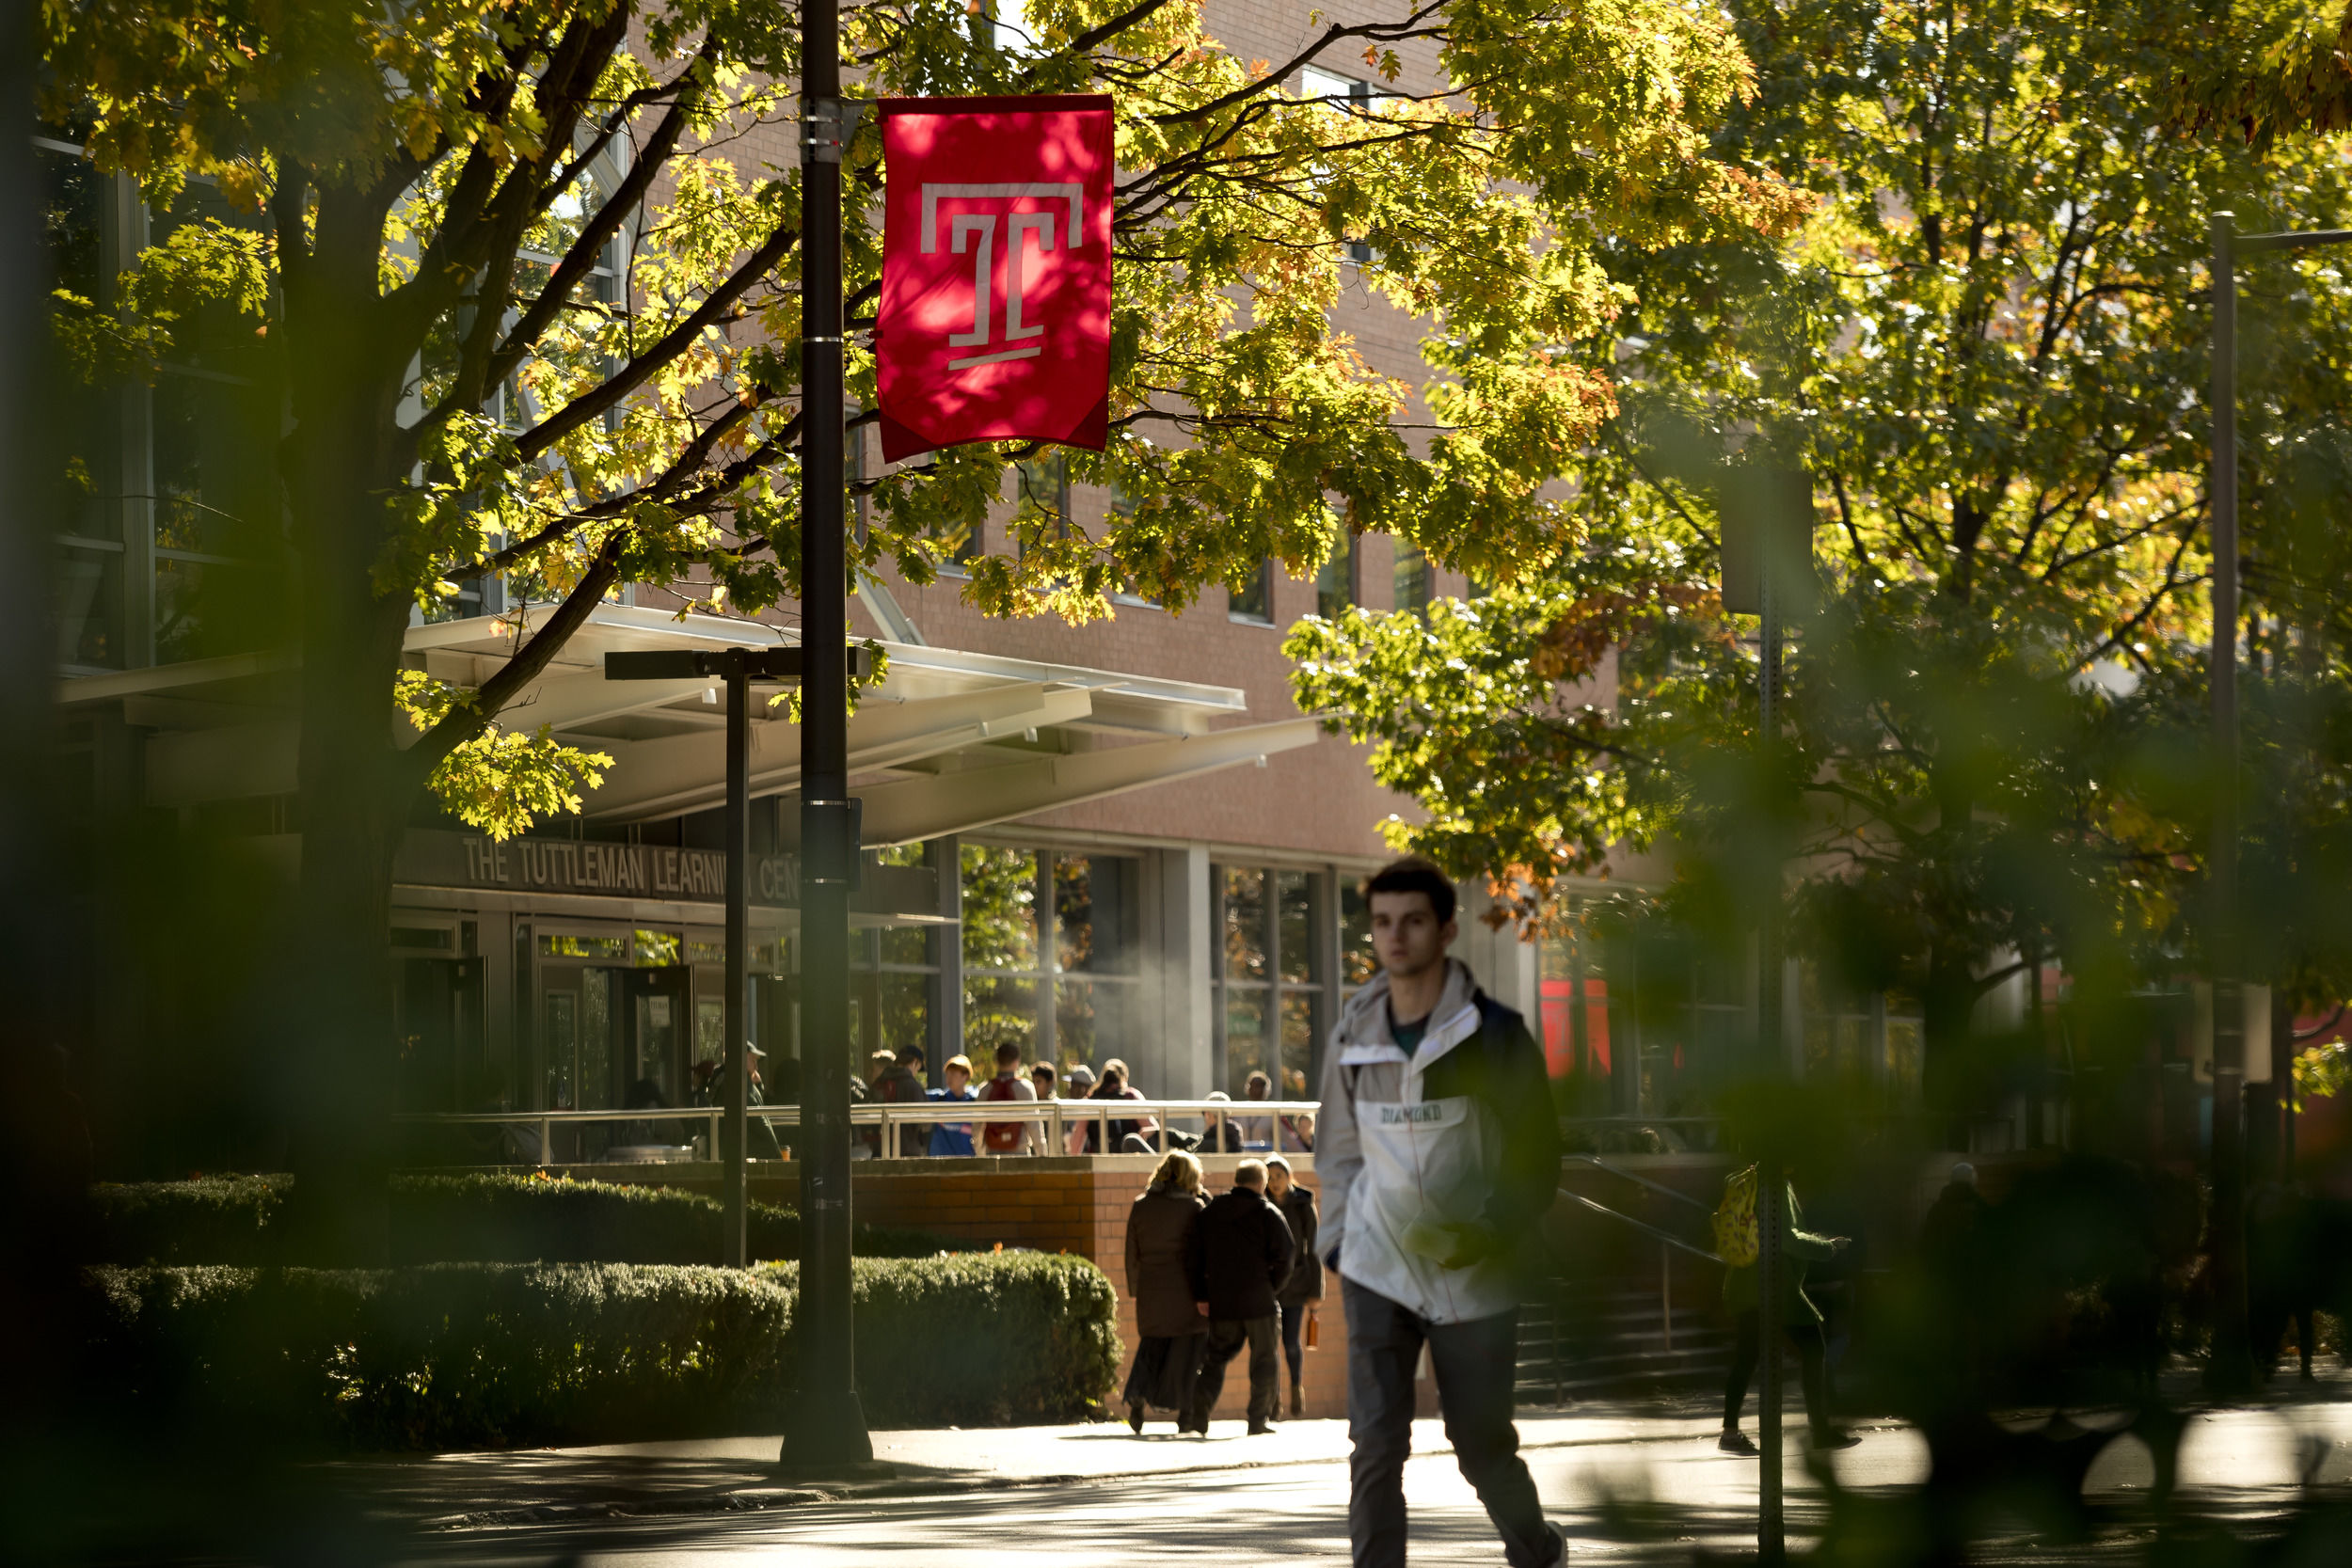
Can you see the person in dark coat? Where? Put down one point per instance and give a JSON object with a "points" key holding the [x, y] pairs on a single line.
{"points": [[895, 1084], [1164, 1274], [1302, 1293], [1246, 1253]]}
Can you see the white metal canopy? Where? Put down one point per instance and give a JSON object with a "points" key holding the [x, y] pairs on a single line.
{"points": [[946, 741]]}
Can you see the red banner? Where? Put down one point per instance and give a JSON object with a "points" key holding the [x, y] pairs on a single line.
{"points": [[995, 320]]}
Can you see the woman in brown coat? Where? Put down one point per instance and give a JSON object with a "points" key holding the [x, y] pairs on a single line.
{"points": [[1165, 1276]]}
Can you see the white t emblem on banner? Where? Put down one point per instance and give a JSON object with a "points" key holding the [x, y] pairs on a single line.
{"points": [[964, 227]]}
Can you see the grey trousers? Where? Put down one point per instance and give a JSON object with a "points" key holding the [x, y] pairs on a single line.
{"points": [[1227, 1335], [1474, 1364]]}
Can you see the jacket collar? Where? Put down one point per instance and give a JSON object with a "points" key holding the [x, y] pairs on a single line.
{"points": [[1365, 1019]]}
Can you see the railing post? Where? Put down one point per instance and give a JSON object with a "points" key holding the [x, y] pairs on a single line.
{"points": [[547, 1149]]}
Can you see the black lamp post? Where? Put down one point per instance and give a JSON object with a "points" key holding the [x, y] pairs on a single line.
{"points": [[739, 668], [826, 1425], [1767, 520]]}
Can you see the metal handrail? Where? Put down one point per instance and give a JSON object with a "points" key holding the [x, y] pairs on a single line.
{"points": [[1657, 1187], [1667, 1237], [1063, 1116]]}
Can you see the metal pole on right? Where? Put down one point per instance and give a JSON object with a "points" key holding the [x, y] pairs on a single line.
{"points": [[2230, 1369], [734, 1143], [1771, 1537]]}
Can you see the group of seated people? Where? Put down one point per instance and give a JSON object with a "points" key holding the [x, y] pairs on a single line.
{"points": [[897, 1078]]}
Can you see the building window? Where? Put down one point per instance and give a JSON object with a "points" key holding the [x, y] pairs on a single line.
{"points": [[1335, 581], [1412, 579], [1251, 600], [1346, 96], [892, 970], [1269, 979], [1052, 961], [167, 515]]}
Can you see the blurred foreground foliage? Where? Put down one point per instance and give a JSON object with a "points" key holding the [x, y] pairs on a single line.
{"points": [[469, 1355]]}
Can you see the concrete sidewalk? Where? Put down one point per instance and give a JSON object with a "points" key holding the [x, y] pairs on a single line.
{"points": [[722, 1475]]}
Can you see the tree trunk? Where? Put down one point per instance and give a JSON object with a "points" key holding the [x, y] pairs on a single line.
{"points": [[338, 1037]]}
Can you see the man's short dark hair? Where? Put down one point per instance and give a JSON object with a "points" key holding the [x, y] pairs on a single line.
{"points": [[1414, 874], [910, 1056], [1008, 1052]]}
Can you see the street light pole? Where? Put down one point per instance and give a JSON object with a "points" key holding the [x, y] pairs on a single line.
{"points": [[737, 667], [1771, 1182], [2231, 1371], [826, 1426]]}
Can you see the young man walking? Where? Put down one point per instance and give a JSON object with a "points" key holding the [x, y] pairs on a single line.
{"points": [[1438, 1150], [1246, 1255]]}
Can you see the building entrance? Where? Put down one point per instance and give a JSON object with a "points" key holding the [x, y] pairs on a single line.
{"points": [[438, 1014]]}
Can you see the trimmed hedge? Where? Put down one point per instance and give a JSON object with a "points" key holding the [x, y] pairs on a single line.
{"points": [[981, 1339], [454, 1219], [464, 1355], [212, 1219], [518, 1219]]}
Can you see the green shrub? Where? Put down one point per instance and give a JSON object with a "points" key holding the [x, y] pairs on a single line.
{"points": [[982, 1338], [445, 1356], [461, 1219], [456, 1356], [212, 1219]]}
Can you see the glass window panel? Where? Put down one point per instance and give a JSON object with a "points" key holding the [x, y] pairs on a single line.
{"points": [[1245, 1036], [999, 908], [562, 1040], [1357, 963], [656, 1039], [206, 490], [89, 603], [595, 1041], [1297, 1046], [906, 944], [73, 209], [1244, 948], [1412, 579], [906, 1010], [1335, 581], [659, 949], [997, 1009], [711, 1028], [611, 948], [206, 609], [1094, 913], [1079, 1032], [1294, 901], [1252, 597]]}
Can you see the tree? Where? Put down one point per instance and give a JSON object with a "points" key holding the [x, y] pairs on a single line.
{"points": [[532, 292], [1988, 349]]}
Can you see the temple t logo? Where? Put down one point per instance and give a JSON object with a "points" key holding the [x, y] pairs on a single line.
{"points": [[995, 309]]}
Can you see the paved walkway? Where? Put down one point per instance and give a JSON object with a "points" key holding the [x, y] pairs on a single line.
{"points": [[2257, 1456], [1644, 1492], [736, 1473]]}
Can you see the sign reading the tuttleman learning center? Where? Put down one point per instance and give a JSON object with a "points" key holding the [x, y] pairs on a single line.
{"points": [[996, 318], [579, 866]]}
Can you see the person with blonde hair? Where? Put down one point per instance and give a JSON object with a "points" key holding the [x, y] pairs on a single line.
{"points": [[951, 1138], [1166, 1278]]}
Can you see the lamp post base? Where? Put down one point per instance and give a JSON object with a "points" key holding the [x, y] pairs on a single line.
{"points": [[826, 1430]]}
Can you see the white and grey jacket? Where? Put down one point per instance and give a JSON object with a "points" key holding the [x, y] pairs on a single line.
{"points": [[1463, 1128]]}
